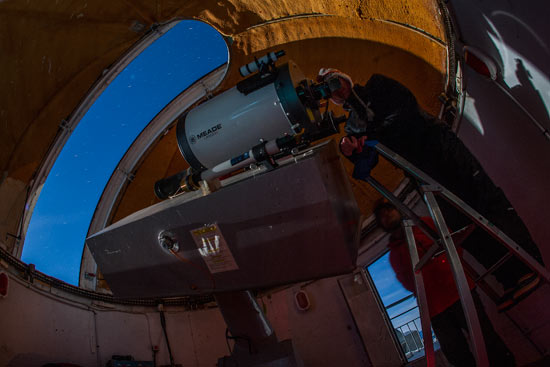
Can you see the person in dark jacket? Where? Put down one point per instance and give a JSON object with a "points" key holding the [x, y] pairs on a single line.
{"points": [[387, 111], [445, 309]]}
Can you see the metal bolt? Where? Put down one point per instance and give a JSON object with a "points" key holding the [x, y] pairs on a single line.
{"points": [[168, 241]]}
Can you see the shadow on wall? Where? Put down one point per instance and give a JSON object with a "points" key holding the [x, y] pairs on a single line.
{"points": [[509, 147], [517, 40], [507, 142], [530, 97], [501, 135]]}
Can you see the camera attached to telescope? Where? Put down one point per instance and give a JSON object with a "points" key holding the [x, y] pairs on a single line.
{"points": [[272, 113]]}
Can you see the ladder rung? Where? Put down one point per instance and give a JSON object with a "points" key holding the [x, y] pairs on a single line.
{"points": [[482, 283], [495, 266]]}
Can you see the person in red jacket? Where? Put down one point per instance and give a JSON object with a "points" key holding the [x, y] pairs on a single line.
{"points": [[447, 317]]}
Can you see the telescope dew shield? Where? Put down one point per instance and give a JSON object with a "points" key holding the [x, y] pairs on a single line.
{"points": [[232, 122], [182, 181], [167, 187]]}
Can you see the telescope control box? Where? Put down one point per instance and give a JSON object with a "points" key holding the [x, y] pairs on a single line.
{"points": [[297, 222]]}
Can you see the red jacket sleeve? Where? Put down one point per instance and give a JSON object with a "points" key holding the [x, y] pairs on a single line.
{"points": [[400, 258], [401, 263]]}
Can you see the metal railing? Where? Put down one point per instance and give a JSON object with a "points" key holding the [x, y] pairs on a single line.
{"points": [[410, 337], [410, 334]]}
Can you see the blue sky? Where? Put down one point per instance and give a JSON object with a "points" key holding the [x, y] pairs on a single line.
{"points": [[391, 290], [59, 224]]}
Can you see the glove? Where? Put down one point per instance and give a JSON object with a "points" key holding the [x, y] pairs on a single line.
{"points": [[350, 144], [361, 154], [338, 96]]}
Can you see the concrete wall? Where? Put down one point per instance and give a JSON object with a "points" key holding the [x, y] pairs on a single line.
{"points": [[42, 325], [324, 335], [38, 328]]}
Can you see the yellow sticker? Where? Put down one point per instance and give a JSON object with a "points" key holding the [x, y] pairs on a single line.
{"points": [[213, 249]]}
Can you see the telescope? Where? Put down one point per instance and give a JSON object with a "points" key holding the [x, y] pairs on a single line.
{"points": [[226, 230], [265, 117], [261, 191]]}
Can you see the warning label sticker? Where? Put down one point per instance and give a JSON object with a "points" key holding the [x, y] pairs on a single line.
{"points": [[214, 249]]}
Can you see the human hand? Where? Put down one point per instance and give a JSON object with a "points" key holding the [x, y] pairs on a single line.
{"points": [[350, 145], [340, 95], [364, 158]]}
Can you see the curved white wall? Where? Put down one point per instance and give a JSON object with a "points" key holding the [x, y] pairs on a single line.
{"points": [[41, 327]]}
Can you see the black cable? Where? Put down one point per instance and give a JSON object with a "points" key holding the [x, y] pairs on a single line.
{"points": [[227, 341], [251, 349], [155, 351], [163, 324]]}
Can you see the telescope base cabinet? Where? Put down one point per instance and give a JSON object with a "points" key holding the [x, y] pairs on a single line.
{"points": [[297, 222]]}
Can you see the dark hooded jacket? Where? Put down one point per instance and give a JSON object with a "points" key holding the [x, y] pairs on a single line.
{"points": [[392, 116]]}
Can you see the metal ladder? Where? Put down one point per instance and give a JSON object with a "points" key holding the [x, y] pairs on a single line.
{"points": [[428, 188]]}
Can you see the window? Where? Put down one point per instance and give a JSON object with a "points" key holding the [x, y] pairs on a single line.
{"points": [[59, 224], [401, 308]]}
